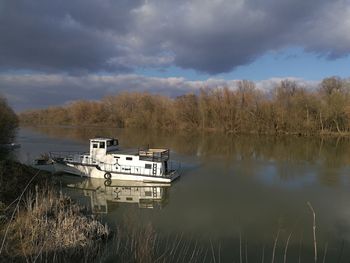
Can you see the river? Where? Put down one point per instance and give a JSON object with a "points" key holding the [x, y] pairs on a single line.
{"points": [[240, 198]]}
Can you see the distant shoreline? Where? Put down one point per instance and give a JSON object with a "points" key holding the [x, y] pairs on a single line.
{"points": [[209, 131], [287, 109]]}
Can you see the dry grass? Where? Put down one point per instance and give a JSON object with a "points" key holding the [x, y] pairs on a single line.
{"points": [[40, 224], [50, 227], [142, 244]]}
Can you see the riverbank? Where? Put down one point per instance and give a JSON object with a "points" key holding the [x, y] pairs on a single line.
{"points": [[39, 223], [207, 131]]}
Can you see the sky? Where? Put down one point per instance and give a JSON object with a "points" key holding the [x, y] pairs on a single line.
{"points": [[54, 52]]}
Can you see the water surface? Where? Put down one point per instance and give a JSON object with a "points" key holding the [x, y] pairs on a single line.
{"points": [[237, 196]]}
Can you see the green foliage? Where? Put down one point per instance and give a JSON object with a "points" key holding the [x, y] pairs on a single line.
{"points": [[289, 109]]}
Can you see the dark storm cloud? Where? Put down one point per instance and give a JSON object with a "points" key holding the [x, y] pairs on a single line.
{"points": [[67, 36], [207, 35], [217, 36]]}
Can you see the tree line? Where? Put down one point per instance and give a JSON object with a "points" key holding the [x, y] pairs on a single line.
{"points": [[287, 109]]}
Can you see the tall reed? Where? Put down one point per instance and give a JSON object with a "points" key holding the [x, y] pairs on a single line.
{"points": [[48, 226]]}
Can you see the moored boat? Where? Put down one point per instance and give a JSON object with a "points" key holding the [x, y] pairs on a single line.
{"points": [[105, 160]]}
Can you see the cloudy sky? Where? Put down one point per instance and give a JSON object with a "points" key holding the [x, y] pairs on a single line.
{"points": [[53, 52]]}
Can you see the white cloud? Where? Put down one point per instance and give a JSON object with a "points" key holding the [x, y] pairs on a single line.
{"points": [[40, 90]]}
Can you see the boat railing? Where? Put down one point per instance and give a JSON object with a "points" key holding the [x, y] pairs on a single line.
{"points": [[154, 155], [72, 156]]}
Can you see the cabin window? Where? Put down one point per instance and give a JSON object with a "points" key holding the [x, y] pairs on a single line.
{"points": [[109, 143], [129, 198], [115, 142], [148, 193], [95, 145], [148, 166], [129, 158], [102, 145]]}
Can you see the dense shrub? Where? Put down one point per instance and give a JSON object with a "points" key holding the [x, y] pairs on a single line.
{"points": [[8, 122]]}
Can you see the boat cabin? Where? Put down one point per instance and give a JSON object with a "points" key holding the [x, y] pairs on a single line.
{"points": [[99, 147], [105, 152], [105, 160]]}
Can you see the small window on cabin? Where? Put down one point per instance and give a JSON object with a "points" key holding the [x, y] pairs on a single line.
{"points": [[95, 145], [102, 145], [115, 142], [148, 193], [129, 198], [109, 143], [129, 158], [148, 166]]}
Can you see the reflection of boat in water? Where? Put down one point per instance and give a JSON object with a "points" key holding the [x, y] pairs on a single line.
{"points": [[100, 192], [105, 160]]}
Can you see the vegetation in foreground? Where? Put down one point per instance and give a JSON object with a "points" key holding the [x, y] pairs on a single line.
{"points": [[288, 109], [39, 223]]}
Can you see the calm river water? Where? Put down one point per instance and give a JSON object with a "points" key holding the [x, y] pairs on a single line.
{"points": [[240, 198]]}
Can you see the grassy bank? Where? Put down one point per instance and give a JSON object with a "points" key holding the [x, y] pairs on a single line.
{"points": [[14, 177], [38, 223]]}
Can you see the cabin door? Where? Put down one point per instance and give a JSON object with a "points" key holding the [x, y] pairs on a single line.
{"points": [[154, 170]]}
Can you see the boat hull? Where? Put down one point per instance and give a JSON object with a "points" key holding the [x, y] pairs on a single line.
{"points": [[92, 171]]}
